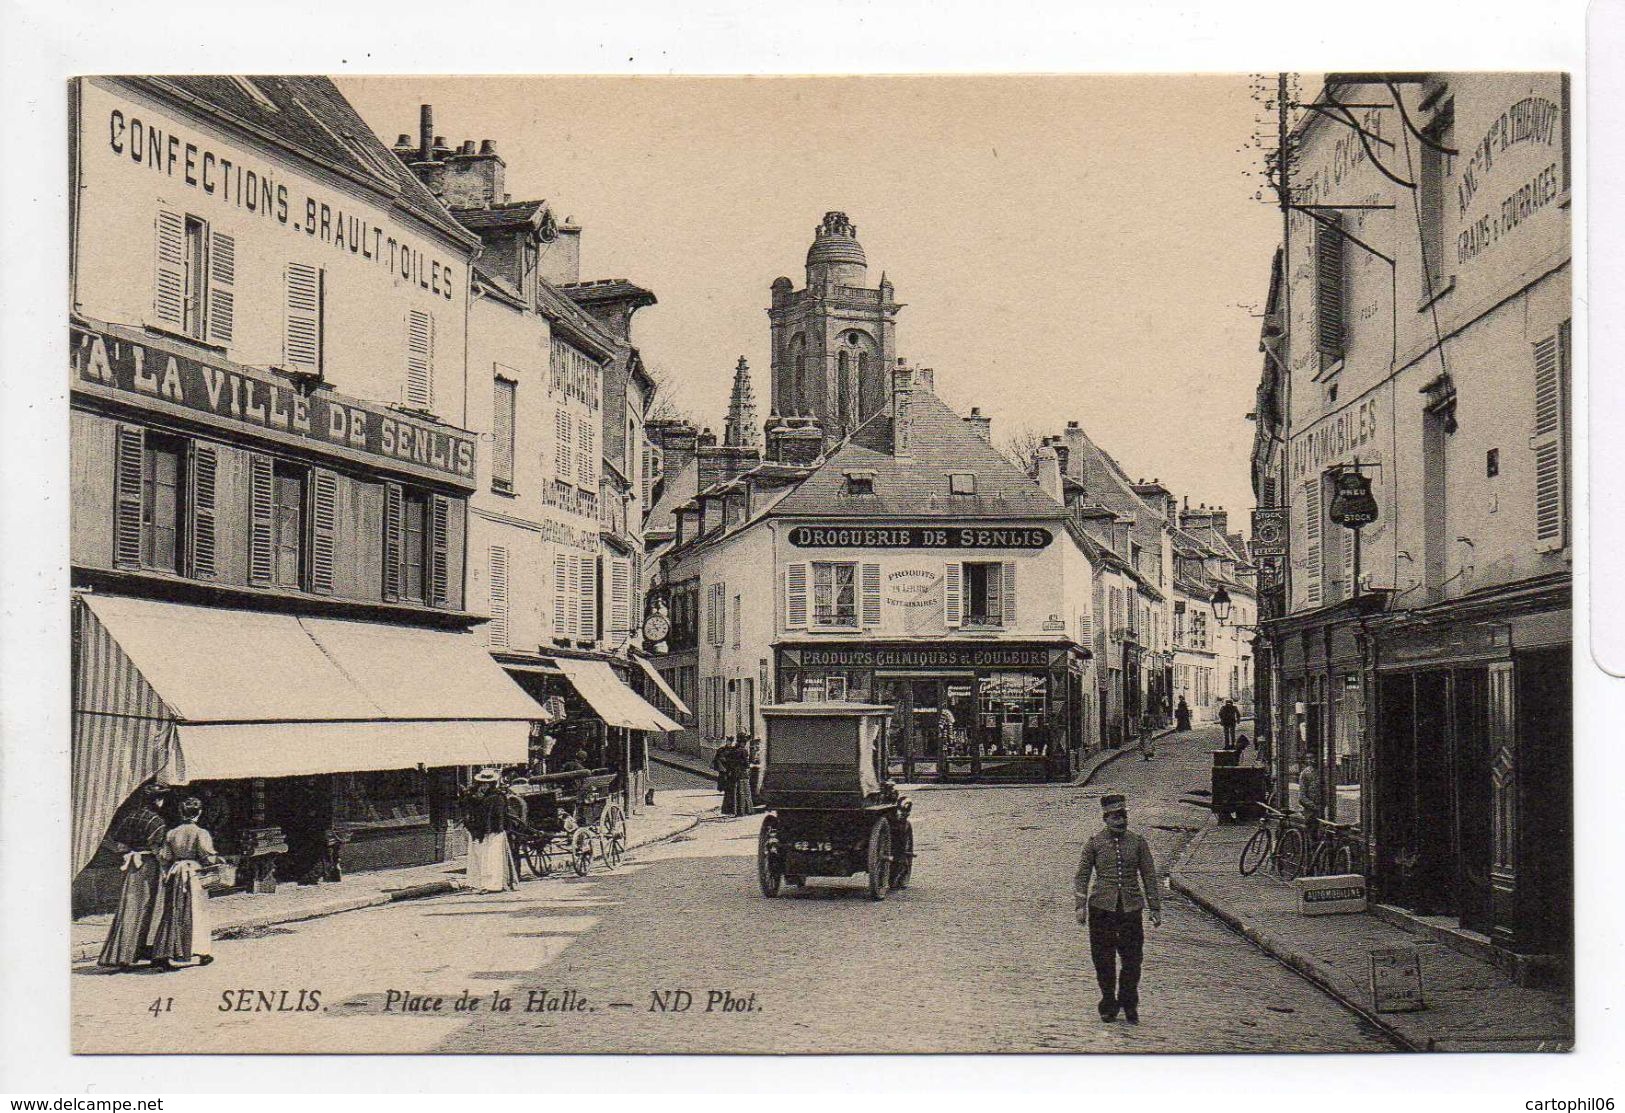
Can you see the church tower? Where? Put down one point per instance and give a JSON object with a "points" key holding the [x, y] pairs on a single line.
{"points": [[834, 340], [741, 430]]}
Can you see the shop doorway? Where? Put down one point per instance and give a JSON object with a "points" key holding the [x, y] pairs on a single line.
{"points": [[931, 734]]}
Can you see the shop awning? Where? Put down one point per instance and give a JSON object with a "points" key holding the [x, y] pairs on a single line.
{"points": [[614, 702], [660, 683], [211, 693]]}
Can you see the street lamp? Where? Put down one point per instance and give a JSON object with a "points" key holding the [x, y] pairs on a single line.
{"points": [[1221, 605]]}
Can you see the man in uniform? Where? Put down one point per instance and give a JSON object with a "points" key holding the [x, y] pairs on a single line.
{"points": [[1125, 884]]}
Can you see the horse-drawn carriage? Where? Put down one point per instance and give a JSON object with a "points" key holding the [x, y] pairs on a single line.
{"points": [[831, 812], [566, 817]]}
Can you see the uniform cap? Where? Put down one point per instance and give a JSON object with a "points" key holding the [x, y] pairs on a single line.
{"points": [[1113, 802]]}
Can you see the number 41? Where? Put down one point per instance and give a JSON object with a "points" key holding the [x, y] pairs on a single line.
{"points": [[161, 1005]]}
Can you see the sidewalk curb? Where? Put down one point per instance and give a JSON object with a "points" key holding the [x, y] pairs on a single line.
{"points": [[1309, 967], [1109, 757], [86, 952]]}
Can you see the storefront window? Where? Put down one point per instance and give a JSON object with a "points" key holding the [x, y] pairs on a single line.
{"points": [[1012, 707], [396, 798]]}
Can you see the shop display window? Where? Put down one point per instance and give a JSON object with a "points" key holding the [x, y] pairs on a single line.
{"points": [[395, 798], [1011, 708]]}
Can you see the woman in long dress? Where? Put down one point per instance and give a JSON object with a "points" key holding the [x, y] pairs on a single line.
{"points": [[485, 815], [137, 837], [181, 928]]}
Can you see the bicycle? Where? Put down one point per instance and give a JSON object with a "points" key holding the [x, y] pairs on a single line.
{"points": [[1283, 843], [1338, 849]]}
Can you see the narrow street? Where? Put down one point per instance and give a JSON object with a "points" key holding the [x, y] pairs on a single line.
{"points": [[981, 954]]}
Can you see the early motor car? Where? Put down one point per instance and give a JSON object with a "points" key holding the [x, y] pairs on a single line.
{"points": [[831, 812]]}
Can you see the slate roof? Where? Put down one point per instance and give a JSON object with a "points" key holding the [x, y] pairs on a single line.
{"points": [[312, 119], [916, 486], [607, 290], [513, 214]]}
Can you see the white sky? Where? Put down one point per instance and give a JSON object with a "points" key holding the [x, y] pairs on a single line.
{"points": [[1067, 247]]}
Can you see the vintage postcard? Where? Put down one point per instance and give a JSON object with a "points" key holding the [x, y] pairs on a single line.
{"points": [[982, 564]]}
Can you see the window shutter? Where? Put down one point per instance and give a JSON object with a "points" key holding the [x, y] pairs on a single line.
{"points": [[261, 558], [719, 608], [795, 595], [502, 432], [584, 454], [324, 524], [128, 456], [169, 280], [222, 287], [871, 595], [1007, 608], [203, 535], [1086, 629], [496, 631], [953, 595], [620, 598], [1547, 442], [302, 337], [561, 584], [440, 551], [1329, 292], [589, 598], [393, 509], [419, 359], [563, 429], [1313, 568]]}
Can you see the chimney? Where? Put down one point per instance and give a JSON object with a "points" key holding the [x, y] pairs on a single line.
{"points": [[676, 441], [902, 389], [1063, 454], [560, 264], [425, 132], [981, 425], [1221, 521], [1049, 472], [474, 180], [794, 440]]}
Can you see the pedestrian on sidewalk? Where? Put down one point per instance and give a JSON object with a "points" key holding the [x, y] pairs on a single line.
{"points": [[1229, 716], [1125, 884], [137, 837], [181, 929], [1310, 791], [722, 766], [485, 816], [1148, 727], [1182, 715]]}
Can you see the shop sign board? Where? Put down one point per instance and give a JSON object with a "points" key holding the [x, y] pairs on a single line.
{"points": [[241, 398], [920, 537], [1330, 895], [924, 657], [1396, 980]]}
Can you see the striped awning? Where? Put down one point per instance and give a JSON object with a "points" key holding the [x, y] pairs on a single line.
{"points": [[660, 683], [613, 701], [185, 693]]}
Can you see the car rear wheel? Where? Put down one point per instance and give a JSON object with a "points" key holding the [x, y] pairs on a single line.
{"points": [[880, 859], [769, 858]]}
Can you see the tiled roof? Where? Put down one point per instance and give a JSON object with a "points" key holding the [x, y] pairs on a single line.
{"points": [[916, 486], [312, 117], [676, 489], [563, 312], [514, 214]]}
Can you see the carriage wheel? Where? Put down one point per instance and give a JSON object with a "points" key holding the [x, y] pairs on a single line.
{"points": [[769, 858], [536, 858], [613, 828], [880, 859], [581, 852], [903, 863]]}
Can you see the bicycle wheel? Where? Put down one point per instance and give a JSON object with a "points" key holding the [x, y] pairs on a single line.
{"points": [[1256, 852], [1320, 859], [1347, 859], [1289, 854]]}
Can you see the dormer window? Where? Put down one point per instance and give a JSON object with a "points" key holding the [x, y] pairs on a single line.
{"points": [[961, 483], [860, 482]]}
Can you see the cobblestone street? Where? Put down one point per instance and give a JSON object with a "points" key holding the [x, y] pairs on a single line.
{"points": [[981, 954]]}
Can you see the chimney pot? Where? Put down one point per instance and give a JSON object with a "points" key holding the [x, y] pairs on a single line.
{"points": [[488, 146], [404, 141], [1072, 425], [467, 147]]}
